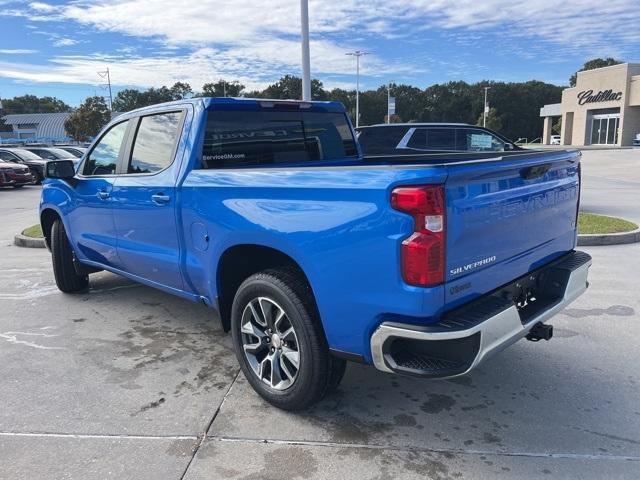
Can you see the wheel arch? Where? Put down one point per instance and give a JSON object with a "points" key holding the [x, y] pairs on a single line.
{"points": [[47, 218], [239, 262]]}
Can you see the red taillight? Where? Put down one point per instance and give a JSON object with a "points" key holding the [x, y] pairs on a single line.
{"points": [[423, 252]]}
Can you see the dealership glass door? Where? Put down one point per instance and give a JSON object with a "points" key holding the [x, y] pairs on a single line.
{"points": [[604, 129]]}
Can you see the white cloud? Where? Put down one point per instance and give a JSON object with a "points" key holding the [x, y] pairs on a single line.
{"points": [[64, 42], [17, 51], [576, 23], [256, 42]]}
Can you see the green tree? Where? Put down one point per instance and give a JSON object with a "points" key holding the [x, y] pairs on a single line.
{"points": [[592, 65], [290, 87], [347, 98], [88, 119], [222, 88], [128, 99], [33, 104], [131, 98], [180, 91], [493, 120]]}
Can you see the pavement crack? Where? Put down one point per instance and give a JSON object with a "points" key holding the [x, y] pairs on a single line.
{"points": [[310, 443], [203, 436]]}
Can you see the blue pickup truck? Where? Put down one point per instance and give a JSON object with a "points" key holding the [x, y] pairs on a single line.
{"points": [[314, 254]]}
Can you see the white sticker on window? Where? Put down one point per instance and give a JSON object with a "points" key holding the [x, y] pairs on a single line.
{"points": [[480, 140]]}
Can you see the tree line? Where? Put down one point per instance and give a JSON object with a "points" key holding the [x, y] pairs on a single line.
{"points": [[514, 106]]}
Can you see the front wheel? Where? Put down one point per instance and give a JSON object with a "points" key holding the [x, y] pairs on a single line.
{"points": [[279, 342], [64, 271]]}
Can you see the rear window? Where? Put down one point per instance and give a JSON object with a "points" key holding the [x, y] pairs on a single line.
{"points": [[250, 138], [380, 140]]}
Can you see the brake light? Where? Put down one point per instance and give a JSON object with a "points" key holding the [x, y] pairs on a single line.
{"points": [[423, 253]]}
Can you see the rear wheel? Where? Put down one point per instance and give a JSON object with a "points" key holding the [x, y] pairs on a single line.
{"points": [[67, 279], [279, 341]]}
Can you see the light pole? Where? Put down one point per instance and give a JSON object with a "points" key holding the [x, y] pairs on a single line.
{"points": [[485, 111], [306, 63], [389, 103], [357, 54]]}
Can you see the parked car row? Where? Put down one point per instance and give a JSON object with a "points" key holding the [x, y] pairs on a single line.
{"points": [[15, 160]]}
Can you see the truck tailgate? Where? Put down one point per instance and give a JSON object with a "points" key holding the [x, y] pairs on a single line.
{"points": [[507, 217]]}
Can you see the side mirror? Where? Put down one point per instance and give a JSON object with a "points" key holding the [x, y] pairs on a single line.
{"points": [[509, 146], [62, 169]]}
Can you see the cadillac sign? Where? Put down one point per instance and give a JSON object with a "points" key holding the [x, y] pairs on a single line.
{"points": [[587, 96]]}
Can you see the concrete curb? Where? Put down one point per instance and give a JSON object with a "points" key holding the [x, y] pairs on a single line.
{"points": [[609, 238], [28, 242]]}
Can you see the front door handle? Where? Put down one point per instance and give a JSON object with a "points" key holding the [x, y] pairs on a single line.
{"points": [[103, 194], [160, 198]]}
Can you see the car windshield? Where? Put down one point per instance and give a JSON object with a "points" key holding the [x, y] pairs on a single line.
{"points": [[59, 153], [26, 154]]}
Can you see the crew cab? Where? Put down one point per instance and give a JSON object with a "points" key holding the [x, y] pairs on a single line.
{"points": [[312, 254]]}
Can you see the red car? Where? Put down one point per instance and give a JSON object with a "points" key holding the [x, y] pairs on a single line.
{"points": [[14, 175]]}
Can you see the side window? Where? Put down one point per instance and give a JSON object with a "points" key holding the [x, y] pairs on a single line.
{"points": [[103, 159], [380, 140], [441, 139], [418, 139], [474, 140], [155, 141]]}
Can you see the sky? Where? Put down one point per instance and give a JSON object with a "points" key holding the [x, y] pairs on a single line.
{"points": [[58, 48]]}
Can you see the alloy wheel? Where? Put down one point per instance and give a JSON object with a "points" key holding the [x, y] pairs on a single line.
{"points": [[270, 343]]}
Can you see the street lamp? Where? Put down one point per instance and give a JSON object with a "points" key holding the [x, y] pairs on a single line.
{"points": [[357, 54], [306, 63], [389, 103], [486, 107]]}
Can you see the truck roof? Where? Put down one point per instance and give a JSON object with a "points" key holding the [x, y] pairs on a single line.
{"points": [[416, 124], [231, 103]]}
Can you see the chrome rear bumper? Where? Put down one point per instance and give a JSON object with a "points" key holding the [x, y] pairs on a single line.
{"points": [[469, 335]]}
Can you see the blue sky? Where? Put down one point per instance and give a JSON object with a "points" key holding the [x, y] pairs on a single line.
{"points": [[57, 48]]}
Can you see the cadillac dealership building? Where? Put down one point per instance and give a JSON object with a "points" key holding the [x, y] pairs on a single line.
{"points": [[602, 109]]}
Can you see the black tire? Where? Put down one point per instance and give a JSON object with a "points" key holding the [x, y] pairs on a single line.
{"points": [[18, 186], [318, 371], [338, 369], [67, 279]]}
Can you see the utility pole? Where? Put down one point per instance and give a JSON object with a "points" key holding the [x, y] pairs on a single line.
{"points": [[357, 54], [107, 76], [486, 107], [306, 62]]}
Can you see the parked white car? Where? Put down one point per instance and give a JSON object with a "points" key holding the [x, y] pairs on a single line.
{"points": [[636, 141], [555, 140]]}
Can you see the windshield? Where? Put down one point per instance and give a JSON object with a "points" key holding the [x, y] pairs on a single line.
{"points": [[59, 153], [26, 154]]}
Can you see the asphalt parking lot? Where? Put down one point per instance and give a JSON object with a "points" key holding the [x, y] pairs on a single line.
{"points": [[130, 383]]}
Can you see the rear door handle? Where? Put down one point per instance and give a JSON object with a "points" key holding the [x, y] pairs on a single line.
{"points": [[103, 194], [160, 198]]}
